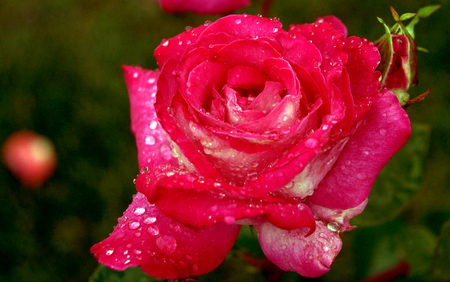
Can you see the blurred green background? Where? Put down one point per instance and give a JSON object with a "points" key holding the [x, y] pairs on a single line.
{"points": [[60, 75]]}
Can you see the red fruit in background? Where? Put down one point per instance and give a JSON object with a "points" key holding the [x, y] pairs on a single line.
{"points": [[30, 157]]}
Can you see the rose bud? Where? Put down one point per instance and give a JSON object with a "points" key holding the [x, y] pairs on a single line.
{"points": [[249, 124], [204, 7], [30, 157], [398, 51]]}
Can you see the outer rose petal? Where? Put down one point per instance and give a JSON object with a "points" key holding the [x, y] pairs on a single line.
{"points": [[151, 139], [384, 130], [207, 7], [310, 256], [161, 246]]}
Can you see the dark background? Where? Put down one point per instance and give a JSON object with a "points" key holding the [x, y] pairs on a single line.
{"points": [[60, 75]]}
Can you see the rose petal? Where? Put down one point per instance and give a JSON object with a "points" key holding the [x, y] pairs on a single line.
{"points": [[310, 256], [206, 7], [246, 27], [335, 23], [385, 129], [161, 246], [363, 59], [200, 202], [268, 98], [151, 139], [174, 47], [246, 77], [337, 218], [251, 53]]}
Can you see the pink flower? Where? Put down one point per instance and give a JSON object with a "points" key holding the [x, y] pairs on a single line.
{"points": [[247, 123], [206, 7]]}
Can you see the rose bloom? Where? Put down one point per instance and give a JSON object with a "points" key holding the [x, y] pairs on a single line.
{"points": [[249, 124], [206, 7]]}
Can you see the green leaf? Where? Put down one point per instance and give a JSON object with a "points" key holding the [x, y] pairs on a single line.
{"points": [[398, 182], [441, 258], [427, 11], [135, 274], [422, 13]]}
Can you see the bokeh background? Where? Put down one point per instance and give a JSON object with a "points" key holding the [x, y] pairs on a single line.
{"points": [[60, 75]]}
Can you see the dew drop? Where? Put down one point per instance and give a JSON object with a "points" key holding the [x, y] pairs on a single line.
{"points": [[238, 21], [166, 244], [165, 152], [143, 169], [150, 220], [109, 252], [229, 219], [333, 226], [188, 28], [275, 29], [311, 143], [134, 225], [139, 211], [135, 75], [127, 261], [326, 248], [153, 230], [207, 22], [151, 80], [150, 140], [165, 43], [153, 124], [195, 267], [316, 64]]}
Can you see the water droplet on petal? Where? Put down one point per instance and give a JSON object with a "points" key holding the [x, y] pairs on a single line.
{"points": [[207, 22], [238, 21], [153, 230], [229, 219], [311, 143], [150, 140], [139, 211], [109, 252], [165, 152], [195, 267], [333, 226], [150, 220], [165, 43], [166, 244], [153, 124], [134, 225], [143, 169], [275, 29], [316, 64], [188, 28]]}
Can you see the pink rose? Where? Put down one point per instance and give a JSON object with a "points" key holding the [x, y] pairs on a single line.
{"points": [[206, 7], [247, 123]]}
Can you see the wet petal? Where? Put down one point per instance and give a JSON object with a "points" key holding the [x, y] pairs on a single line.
{"points": [[152, 141], [200, 202], [292, 250], [161, 246], [384, 130]]}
